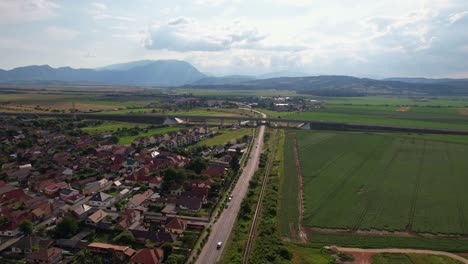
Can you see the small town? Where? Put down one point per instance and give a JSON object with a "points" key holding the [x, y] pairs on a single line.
{"points": [[66, 195]]}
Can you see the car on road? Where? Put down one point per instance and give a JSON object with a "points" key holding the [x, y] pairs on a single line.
{"points": [[230, 198], [219, 245]]}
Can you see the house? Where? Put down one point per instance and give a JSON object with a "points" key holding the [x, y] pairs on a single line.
{"points": [[175, 225], [109, 251], [176, 190], [138, 199], [30, 242], [218, 150], [158, 238], [67, 172], [69, 195], [96, 218], [189, 203], [82, 211], [94, 187], [101, 199], [54, 188], [45, 256], [215, 169], [129, 218], [148, 256]]}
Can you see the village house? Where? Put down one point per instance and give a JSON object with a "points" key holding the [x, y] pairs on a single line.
{"points": [[96, 218], [94, 187], [101, 199], [46, 256], [175, 225], [69, 195], [138, 199], [148, 256], [109, 251]]}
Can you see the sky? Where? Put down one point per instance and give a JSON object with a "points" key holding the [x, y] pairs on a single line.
{"points": [[365, 38]]}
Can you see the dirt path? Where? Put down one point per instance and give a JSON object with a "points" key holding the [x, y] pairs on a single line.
{"points": [[403, 251], [302, 233]]}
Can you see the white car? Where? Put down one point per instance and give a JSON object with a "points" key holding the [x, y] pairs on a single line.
{"points": [[218, 246]]}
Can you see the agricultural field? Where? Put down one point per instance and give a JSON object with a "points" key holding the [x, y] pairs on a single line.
{"points": [[387, 258], [449, 113], [386, 182]]}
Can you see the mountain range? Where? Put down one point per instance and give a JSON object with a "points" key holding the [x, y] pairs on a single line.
{"points": [[181, 73]]}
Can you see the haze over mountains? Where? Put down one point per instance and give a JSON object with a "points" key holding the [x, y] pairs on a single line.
{"points": [[181, 73]]}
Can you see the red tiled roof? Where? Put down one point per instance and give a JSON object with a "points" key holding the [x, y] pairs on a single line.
{"points": [[147, 256]]}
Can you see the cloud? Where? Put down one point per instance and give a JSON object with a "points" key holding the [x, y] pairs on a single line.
{"points": [[455, 17], [19, 11], [98, 11], [61, 33], [179, 21], [184, 35]]}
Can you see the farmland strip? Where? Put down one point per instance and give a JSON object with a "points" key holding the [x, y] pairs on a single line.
{"points": [[370, 201], [461, 215], [340, 185], [416, 189]]}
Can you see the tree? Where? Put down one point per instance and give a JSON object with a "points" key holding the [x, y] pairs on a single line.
{"points": [[66, 228], [124, 237], [167, 248], [26, 227], [197, 165], [175, 259], [86, 257], [235, 163]]}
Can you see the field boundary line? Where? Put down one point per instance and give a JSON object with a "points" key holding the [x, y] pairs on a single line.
{"points": [[300, 197], [416, 188]]}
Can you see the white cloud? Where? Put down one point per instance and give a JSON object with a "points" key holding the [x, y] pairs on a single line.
{"points": [[99, 11], [455, 17], [19, 11], [61, 33], [184, 35]]}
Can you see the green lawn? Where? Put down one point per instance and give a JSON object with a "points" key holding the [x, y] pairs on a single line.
{"points": [[150, 132], [388, 258], [108, 126], [303, 254], [224, 136], [385, 182]]}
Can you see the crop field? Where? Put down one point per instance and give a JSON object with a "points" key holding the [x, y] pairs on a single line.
{"points": [[288, 222], [361, 181], [387, 258]]}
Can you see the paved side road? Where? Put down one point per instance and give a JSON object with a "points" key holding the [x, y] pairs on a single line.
{"points": [[404, 251], [222, 228]]}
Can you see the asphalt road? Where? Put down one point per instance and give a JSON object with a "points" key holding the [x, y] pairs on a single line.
{"points": [[221, 230]]}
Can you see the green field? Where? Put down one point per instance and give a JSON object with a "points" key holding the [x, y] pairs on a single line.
{"points": [[225, 136], [288, 222], [387, 258], [383, 182], [150, 132], [108, 126]]}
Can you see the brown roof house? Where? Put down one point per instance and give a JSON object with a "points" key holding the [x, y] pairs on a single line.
{"points": [[45, 256], [148, 256]]}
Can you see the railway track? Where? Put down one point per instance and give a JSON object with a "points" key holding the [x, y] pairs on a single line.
{"points": [[248, 247]]}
